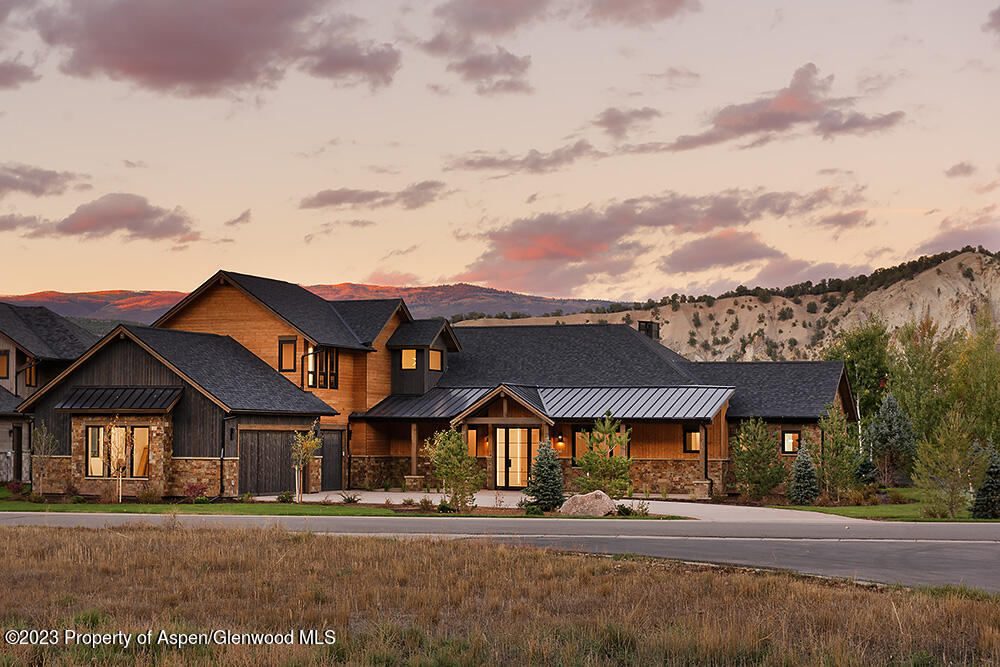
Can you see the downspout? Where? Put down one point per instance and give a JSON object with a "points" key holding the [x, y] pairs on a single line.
{"points": [[222, 459], [347, 446]]}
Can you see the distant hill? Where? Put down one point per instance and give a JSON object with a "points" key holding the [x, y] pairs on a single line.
{"points": [[435, 301], [762, 324]]}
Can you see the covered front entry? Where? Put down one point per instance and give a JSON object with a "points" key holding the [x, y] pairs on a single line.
{"points": [[515, 447]]}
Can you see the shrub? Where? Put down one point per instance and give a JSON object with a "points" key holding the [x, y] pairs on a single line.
{"points": [[894, 497], [756, 462], [445, 508], [388, 502], [640, 508], [192, 491], [407, 502], [533, 510], [804, 487], [149, 496], [987, 502], [204, 500], [811, 307], [71, 489], [349, 498], [286, 497], [623, 510], [77, 500], [35, 497], [386, 486], [425, 505], [15, 488], [604, 469], [459, 473], [866, 495], [246, 498], [865, 472], [546, 485]]}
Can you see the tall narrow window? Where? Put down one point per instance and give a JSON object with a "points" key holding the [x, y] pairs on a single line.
{"points": [[333, 361], [471, 440], [286, 354], [140, 452], [579, 443], [4, 364], [409, 360], [95, 451], [311, 366], [790, 442], [435, 360], [31, 374], [692, 439], [321, 368]]}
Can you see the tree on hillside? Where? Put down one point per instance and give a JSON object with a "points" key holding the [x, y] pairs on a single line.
{"points": [[756, 462], [864, 349], [803, 489], [837, 454], [546, 485], [920, 371], [891, 441], [604, 464], [946, 465], [975, 379]]}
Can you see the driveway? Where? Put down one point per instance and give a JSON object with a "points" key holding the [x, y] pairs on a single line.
{"points": [[888, 552]]}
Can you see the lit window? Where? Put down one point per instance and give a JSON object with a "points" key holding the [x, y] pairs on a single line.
{"points": [[95, 451], [692, 440], [129, 448], [31, 374], [472, 441], [140, 452], [310, 366], [579, 443], [4, 364], [333, 362], [435, 360], [409, 361], [286, 355], [790, 442]]}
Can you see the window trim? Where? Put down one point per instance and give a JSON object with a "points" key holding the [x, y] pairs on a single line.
{"points": [[5, 367], [333, 368], [687, 430], [440, 356], [402, 360], [282, 342], [131, 459], [798, 441]]}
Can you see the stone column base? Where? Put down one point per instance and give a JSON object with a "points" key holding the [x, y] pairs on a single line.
{"points": [[413, 483], [702, 489]]}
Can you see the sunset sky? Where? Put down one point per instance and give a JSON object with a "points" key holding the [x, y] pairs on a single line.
{"points": [[615, 149]]}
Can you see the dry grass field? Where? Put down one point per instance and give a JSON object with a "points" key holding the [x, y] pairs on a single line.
{"points": [[451, 602]]}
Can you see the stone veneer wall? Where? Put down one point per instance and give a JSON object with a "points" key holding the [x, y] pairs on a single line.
{"points": [[58, 475], [203, 471], [672, 476], [314, 483], [376, 470]]}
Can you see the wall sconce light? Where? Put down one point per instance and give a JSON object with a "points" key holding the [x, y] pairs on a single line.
{"points": [[559, 441]]}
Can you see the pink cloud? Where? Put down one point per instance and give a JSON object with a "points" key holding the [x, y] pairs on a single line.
{"points": [[981, 227], [489, 17], [13, 74], [36, 181], [242, 219], [842, 221], [727, 247], [499, 71], [618, 123], [416, 195], [639, 12], [533, 161], [786, 270], [129, 214]]}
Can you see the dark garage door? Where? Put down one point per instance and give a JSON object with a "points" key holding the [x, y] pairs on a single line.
{"points": [[333, 457], [266, 462]]}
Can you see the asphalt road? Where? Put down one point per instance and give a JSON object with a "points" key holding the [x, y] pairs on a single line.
{"points": [[910, 554]]}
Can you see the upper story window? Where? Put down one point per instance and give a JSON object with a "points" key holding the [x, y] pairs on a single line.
{"points": [[31, 374], [4, 364], [435, 360], [286, 354], [409, 360], [692, 440], [322, 368], [790, 441]]}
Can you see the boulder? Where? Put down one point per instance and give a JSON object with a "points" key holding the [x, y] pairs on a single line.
{"points": [[595, 503]]}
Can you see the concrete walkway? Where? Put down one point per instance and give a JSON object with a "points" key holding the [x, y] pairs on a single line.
{"points": [[693, 510]]}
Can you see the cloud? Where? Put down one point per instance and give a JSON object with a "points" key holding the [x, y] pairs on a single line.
{"points": [[677, 77], [328, 228], [13, 221], [489, 17], [871, 83], [394, 278], [533, 161], [845, 220], [242, 219], [986, 188], [639, 12], [499, 71], [129, 214], [993, 22], [208, 47], [7, 7], [413, 196], [787, 270], [959, 170], [727, 247], [565, 250], [134, 164], [13, 73], [618, 123], [981, 227], [36, 181], [805, 102]]}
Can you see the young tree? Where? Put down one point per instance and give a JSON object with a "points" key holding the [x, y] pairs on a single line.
{"points": [[43, 447], [946, 465], [987, 502], [756, 462], [837, 454], [891, 441], [459, 473], [920, 373], [804, 487], [546, 485], [117, 452], [305, 444], [604, 464], [865, 351], [975, 377]]}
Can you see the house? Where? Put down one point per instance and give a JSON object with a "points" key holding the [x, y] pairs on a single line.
{"points": [[35, 346], [256, 358], [197, 409]]}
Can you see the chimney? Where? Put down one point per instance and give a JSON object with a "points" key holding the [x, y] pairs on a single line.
{"points": [[651, 329]]}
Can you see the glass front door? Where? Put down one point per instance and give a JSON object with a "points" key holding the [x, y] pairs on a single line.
{"points": [[514, 449]]}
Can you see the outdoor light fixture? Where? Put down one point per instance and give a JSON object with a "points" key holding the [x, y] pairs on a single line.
{"points": [[559, 442]]}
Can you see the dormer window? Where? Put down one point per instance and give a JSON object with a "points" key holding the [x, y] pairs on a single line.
{"points": [[286, 354], [4, 364], [409, 360], [435, 360]]}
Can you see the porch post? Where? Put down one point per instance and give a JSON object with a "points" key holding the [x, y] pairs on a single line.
{"points": [[491, 458], [413, 449], [703, 436]]}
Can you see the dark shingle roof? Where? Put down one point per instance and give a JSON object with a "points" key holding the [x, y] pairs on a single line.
{"points": [[587, 355], [121, 399], [309, 313], [367, 317], [418, 333], [43, 333], [230, 372], [776, 389], [8, 402]]}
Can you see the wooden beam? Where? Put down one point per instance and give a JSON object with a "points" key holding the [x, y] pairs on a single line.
{"points": [[413, 448], [533, 421]]}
